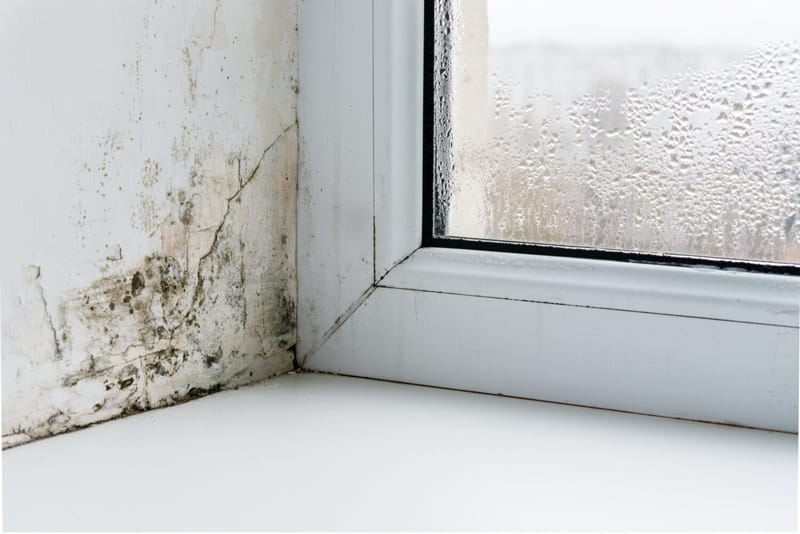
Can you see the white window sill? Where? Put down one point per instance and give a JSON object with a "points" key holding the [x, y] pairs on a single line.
{"points": [[316, 452]]}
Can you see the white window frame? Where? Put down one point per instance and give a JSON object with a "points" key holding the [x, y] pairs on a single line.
{"points": [[689, 342]]}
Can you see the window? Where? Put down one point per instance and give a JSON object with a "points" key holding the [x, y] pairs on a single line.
{"points": [[696, 342], [653, 131]]}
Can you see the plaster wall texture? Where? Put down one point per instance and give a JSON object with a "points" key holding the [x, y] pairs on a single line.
{"points": [[149, 154]]}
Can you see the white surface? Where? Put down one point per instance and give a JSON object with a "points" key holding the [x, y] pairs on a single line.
{"points": [[314, 452], [398, 40], [696, 292], [683, 367], [335, 198], [668, 358], [667, 22]]}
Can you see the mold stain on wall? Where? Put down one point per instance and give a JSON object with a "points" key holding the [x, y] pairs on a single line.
{"points": [[210, 304]]}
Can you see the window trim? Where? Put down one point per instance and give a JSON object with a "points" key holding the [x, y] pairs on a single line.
{"points": [[691, 342]]}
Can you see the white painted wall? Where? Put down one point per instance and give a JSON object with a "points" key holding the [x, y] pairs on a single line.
{"points": [[148, 204]]}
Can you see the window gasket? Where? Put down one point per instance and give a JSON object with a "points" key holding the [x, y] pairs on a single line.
{"points": [[430, 200]]}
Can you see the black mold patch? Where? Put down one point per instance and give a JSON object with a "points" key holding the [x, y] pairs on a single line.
{"points": [[164, 363], [211, 359], [137, 284], [167, 273], [284, 316], [125, 383], [58, 419], [127, 376], [140, 309], [174, 326], [197, 392], [132, 409]]}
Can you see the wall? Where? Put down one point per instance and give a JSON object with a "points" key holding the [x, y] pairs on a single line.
{"points": [[148, 205]]}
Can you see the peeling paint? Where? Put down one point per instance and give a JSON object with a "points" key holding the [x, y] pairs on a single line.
{"points": [[200, 296]]}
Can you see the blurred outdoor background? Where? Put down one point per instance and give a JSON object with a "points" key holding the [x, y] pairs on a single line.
{"points": [[662, 126]]}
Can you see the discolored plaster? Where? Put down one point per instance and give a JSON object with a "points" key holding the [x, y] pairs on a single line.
{"points": [[181, 277], [160, 333]]}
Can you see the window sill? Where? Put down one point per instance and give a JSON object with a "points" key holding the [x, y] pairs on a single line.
{"points": [[312, 453]]}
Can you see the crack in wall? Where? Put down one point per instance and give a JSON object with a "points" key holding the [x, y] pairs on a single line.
{"points": [[36, 273], [229, 200], [200, 187], [213, 29], [139, 342]]}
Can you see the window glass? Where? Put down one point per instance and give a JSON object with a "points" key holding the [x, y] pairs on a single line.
{"points": [[656, 126]]}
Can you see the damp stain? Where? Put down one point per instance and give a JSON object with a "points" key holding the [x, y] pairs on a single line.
{"points": [[169, 330], [210, 304]]}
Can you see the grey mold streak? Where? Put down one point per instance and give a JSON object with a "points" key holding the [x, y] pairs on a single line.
{"points": [[182, 279], [162, 333]]}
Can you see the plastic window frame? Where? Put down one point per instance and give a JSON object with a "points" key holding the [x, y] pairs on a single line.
{"points": [[694, 342]]}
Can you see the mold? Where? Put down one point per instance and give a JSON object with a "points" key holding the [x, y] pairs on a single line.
{"points": [[186, 214], [195, 393], [204, 301], [284, 319], [125, 383], [161, 333], [164, 363], [211, 359], [150, 172], [137, 284]]}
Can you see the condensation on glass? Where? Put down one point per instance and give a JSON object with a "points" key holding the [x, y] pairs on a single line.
{"points": [[660, 126]]}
